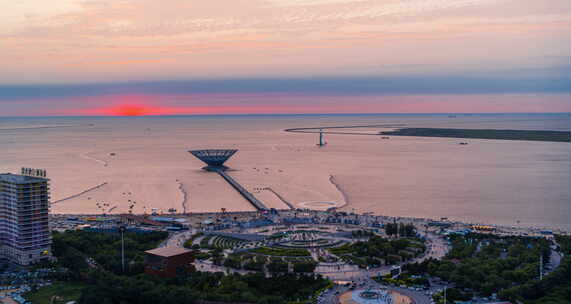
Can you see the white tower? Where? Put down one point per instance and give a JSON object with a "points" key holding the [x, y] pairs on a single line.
{"points": [[321, 139]]}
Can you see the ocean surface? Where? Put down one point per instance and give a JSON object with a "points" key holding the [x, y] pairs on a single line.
{"points": [[141, 164]]}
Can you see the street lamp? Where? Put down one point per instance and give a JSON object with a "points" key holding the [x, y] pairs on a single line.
{"points": [[122, 229], [445, 287]]}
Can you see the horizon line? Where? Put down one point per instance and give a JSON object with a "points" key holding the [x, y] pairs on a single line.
{"points": [[288, 114]]}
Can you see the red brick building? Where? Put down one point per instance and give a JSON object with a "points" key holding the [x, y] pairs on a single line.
{"points": [[168, 262]]}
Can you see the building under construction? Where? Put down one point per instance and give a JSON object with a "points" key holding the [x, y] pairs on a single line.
{"points": [[24, 224]]}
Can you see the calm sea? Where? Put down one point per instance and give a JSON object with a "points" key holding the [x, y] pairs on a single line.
{"points": [[504, 182]]}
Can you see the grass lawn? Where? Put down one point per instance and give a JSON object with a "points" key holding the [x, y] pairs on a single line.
{"points": [[68, 291]]}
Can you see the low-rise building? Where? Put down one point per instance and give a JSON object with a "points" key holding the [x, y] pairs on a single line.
{"points": [[168, 262]]}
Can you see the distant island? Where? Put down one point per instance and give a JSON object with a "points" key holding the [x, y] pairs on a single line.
{"points": [[554, 136]]}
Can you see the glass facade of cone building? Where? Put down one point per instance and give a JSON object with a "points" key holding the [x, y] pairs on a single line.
{"points": [[214, 158]]}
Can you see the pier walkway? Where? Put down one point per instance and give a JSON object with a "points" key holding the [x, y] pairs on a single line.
{"points": [[245, 193]]}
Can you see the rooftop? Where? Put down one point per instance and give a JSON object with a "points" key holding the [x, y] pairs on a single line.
{"points": [[168, 251], [21, 179]]}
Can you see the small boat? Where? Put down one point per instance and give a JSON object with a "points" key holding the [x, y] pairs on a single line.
{"points": [[463, 143]]}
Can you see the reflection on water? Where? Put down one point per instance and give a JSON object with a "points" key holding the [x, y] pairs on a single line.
{"points": [[487, 181]]}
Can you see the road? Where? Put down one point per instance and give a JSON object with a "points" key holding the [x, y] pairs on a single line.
{"points": [[417, 296], [437, 248], [555, 258], [177, 239], [330, 296]]}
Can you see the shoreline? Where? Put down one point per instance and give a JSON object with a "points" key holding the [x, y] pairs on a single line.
{"points": [[343, 193], [402, 130], [494, 134], [186, 211], [184, 196], [384, 218]]}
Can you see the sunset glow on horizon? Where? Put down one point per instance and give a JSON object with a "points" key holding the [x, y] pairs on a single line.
{"points": [[289, 55], [228, 104], [131, 110]]}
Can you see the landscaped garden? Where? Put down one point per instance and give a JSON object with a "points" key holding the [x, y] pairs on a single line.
{"points": [[226, 242], [289, 252], [378, 251]]}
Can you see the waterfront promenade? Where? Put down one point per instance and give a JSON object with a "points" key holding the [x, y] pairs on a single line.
{"points": [[436, 247]]}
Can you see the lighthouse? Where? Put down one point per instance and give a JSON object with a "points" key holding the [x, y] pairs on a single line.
{"points": [[321, 140]]}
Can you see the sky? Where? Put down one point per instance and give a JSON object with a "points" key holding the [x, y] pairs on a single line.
{"points": [[148, 57]]}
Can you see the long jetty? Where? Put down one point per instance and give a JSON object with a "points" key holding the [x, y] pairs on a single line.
{"points": [[290, 206], [245, 193], [215, 159]]}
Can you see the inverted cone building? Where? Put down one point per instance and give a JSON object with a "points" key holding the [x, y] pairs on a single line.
{"points": [[214, 158]]}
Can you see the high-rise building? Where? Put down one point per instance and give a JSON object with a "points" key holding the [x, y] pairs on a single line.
{"points": [[24, 224]]}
